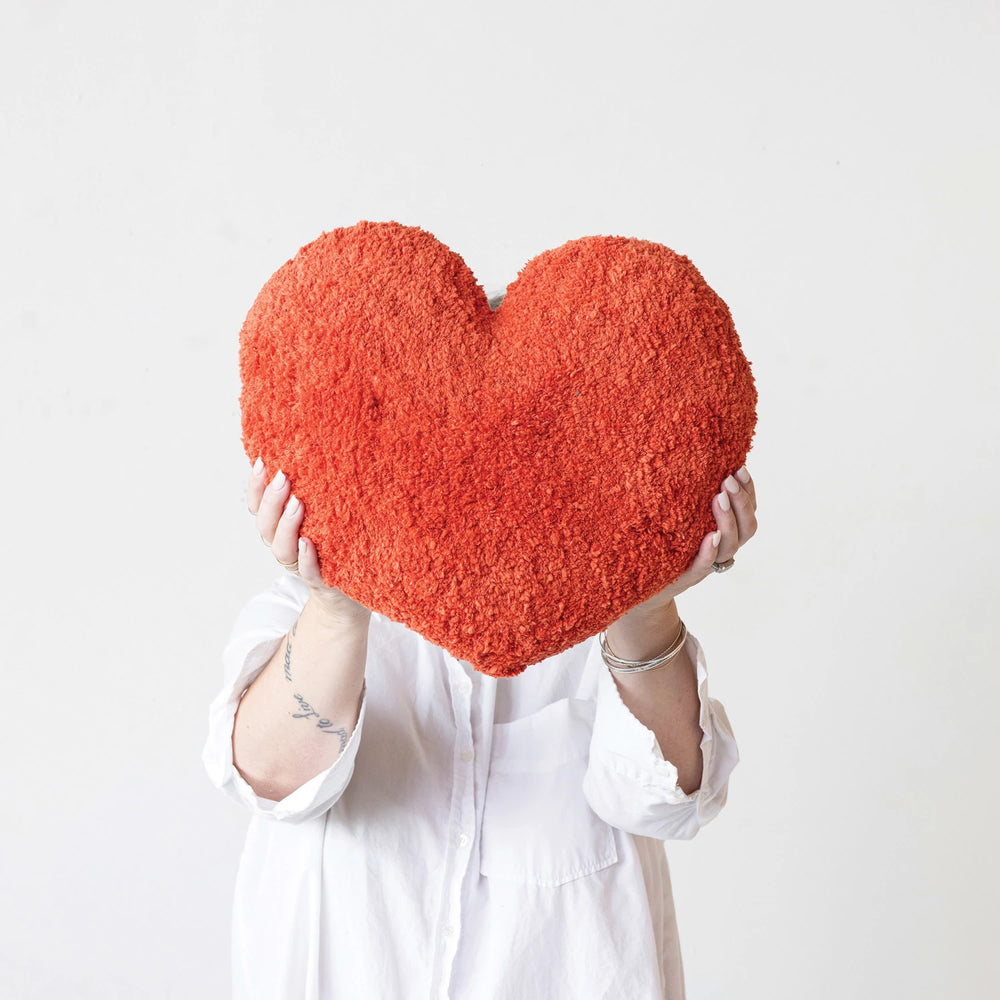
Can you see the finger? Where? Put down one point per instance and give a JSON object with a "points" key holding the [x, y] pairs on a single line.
{"points": [[708, 553], [256, 485], [272, 505], [746, 481], [285, 544], [743, 508], [725, 520], [309, 563]]}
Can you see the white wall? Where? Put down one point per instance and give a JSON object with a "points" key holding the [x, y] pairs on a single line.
{"points": [[832, 170]]}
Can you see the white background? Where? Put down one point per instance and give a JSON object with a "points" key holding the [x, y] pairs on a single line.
{"points": [[833, 171]]}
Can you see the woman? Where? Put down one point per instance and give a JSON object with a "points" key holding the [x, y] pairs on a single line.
{"points": [[420, 829]]}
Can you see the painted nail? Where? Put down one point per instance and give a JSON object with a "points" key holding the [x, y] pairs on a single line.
{"points": [[278, 481], [258, 466], [724, 501], [742, 475], [731, 485], [293, 504], [716, 538]]}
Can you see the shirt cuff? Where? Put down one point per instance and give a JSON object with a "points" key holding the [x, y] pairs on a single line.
{"points": [[630, 780]]}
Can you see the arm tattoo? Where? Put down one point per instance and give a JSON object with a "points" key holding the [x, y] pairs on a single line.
{"points": [[288, 654], [308, 712]]}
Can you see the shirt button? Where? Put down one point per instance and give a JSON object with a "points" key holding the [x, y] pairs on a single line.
{"points": [[448, 930], [463, 841], [467, 756]]}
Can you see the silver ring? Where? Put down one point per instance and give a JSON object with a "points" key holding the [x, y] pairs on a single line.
{"points": [[723, 566]]}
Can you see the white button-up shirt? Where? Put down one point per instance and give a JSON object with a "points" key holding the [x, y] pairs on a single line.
{"points": [[479, 838]]}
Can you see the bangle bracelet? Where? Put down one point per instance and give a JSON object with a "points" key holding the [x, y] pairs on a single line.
{"points": [[620, 666]]}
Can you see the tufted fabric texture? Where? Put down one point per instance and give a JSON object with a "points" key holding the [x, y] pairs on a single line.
{"points": [[508, 482]]}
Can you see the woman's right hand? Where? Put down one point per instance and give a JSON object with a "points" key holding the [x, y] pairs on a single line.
{"points": [[279, 518]]}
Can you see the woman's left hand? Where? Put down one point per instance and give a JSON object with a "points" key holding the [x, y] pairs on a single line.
{"points": [[735, 510]]}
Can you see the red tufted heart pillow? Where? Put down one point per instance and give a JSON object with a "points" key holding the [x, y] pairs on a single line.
{"points": [[505, 483]]}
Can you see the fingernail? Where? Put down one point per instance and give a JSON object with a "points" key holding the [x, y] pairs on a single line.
{"points": [[258, 466], [724, 501], [742, 474], [716, 538], [302, 546], [731, 485], [279, 481], [293, 504]]}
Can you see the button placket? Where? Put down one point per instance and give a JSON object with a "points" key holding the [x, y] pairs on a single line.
{"points": [[462, 818]]}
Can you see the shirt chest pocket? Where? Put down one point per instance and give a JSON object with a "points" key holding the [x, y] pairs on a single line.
{"points": [[537, 826]]}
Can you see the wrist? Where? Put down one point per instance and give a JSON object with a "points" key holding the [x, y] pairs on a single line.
{"points": [[338, 613], [644, 632]]}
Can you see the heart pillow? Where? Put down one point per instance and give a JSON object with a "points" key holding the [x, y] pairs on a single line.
{"points": [[506, 483]]}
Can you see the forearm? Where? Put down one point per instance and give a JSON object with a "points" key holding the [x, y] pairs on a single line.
{"points": [[295, 719], [664, 699]]}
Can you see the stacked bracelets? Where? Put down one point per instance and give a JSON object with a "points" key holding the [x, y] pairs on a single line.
{"points": [[620, 666]]}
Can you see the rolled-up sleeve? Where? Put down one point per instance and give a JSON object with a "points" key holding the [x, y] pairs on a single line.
{"points": [[628, 782], [258, 632]]}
